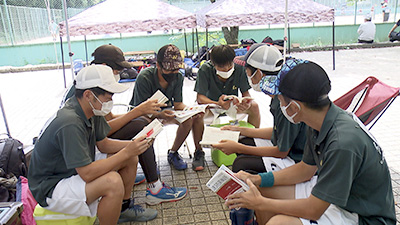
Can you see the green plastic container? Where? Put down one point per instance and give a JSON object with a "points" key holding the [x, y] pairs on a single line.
{"points": [[217, 156]]}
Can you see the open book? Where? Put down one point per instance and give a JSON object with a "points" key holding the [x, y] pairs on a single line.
{"points": [[151, 130], [189, 111], [224, 183], [213, 135]]}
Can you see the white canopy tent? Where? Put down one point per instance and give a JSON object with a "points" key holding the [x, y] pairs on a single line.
{"points": [[227, 13]]}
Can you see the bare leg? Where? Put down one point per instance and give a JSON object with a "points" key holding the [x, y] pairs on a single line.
{"points": [[284, 220], [278, 192], [111, 188], [182, 133], [254, 114], [198, 129]]}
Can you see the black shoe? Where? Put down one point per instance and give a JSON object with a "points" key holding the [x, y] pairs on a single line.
{"points": [[198, 160]]}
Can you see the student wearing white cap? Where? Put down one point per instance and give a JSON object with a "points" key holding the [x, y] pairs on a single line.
{"points": [[66, 176], [366, 31]]}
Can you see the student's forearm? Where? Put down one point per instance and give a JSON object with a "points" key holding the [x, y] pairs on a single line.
{"points": [[202, 99], [298, 173], [121, 120], [111, 146], [309, 208], [264, 133], [272, 151]]}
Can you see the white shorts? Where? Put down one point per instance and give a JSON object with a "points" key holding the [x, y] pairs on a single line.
{"points": [[69, 197], [332, 216], [275, 164]]}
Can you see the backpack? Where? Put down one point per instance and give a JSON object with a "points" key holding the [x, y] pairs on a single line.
{"points": [[12, 157]]}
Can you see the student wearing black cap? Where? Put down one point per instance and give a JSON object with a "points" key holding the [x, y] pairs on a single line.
{"points": [[353, 184]]}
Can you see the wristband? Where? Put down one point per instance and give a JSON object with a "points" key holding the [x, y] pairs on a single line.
{"points": [[267, 179]]}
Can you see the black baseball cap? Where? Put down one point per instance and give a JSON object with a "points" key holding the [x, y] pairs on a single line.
{"points": [[306, 82], [112, 56]]}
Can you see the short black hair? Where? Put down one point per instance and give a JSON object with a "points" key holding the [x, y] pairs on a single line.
{"points": [[222, 55], [96, 90]]}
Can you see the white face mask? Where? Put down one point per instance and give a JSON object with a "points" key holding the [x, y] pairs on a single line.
{"points": [[106, 107], [226, 75], [256, 87], [290, 118]]}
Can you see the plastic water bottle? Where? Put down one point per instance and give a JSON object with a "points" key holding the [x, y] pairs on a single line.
{"points": [[242, 216]]}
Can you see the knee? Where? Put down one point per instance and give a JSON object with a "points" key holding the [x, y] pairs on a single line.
{"points": [[278, 220], [254, 107], [114, 184]]}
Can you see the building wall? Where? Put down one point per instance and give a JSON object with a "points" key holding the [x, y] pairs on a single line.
{"points": [[20, 55]]}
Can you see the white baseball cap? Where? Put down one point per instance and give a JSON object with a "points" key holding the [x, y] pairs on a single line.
{"points": [[100, 76]]}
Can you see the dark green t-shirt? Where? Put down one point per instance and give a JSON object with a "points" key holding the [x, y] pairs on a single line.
{"points": [[147, 83], [208, 84], [286, 135], [352, 172], [66, 142]]}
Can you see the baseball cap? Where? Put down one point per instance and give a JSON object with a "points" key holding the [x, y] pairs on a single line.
{"points": [[100, 76], [270, 83], [110, 54], [305, 82], [262, 56], [367, 17], [170, 57]]}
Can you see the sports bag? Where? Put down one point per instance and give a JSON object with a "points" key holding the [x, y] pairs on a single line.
{"points": [[12, 157]]}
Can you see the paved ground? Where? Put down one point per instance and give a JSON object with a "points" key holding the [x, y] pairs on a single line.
{"points": [[32, 97]]}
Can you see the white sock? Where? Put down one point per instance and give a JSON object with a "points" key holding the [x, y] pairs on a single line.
{"points": [[156, 186]]}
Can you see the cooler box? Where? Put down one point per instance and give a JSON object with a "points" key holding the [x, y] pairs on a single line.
{"points": [[46, 217], [217, 156], [10, 213]]}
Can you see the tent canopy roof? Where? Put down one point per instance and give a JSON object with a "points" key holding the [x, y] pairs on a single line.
{"points": [[125, 16], [226, 13]]}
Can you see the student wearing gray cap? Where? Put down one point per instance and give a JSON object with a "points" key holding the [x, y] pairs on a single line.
{"points": [[352, 185]]}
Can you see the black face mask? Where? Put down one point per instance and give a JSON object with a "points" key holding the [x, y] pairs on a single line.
{"points": [[169, 77]]}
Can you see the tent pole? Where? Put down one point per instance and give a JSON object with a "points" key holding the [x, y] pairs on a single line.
{"points": [[62, 59], [193, 40], [333, 43], [186, 48], [87, 60], [68, 37], [285, 31], [207, 43], [288, 38], [197, 39]]}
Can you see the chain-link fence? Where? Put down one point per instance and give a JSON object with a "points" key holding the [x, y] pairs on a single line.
{"points": [[30, 21], [36, 21]]}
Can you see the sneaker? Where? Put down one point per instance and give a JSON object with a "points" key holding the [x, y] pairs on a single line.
{"points": [[198, 160], [140, 178], [176, 160], [165, 194], [137, 213]]}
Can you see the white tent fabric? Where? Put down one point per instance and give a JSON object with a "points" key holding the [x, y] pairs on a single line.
{"points": [[125, 16], [226, 13]]}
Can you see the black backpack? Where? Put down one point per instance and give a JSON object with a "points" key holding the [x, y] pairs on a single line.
{"points": [[12, 157]]}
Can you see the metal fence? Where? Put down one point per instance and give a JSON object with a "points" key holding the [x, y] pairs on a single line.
{"points": [[38, 22]]}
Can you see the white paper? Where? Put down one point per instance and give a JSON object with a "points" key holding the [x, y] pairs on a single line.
{"points": [[213, 135], [151, 130]]}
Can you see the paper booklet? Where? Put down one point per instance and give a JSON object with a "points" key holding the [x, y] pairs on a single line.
{"points": [[224, 183], [151, 130], [189, 111], [213, 135], [159, 96]]}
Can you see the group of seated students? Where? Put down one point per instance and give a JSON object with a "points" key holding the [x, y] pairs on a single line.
{"points": [[322, 167]]}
